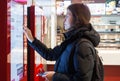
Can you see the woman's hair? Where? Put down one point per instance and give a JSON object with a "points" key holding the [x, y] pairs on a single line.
{"points": [[81, 14]]}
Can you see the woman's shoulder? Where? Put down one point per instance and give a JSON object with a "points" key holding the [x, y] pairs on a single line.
{"points": [[83, 44], [83, 41], [83, 48]]}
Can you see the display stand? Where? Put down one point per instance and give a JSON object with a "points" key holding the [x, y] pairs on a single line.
{"points": [[31, 53], [4, 43]]}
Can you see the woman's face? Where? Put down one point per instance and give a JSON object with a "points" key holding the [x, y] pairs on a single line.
{"points": [[68, 20]]}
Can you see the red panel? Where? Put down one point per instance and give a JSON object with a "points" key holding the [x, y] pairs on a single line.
{"points": [[4, 42], [21, 1], [31, 51], [112, 73], [50, 67], [39, 69]]}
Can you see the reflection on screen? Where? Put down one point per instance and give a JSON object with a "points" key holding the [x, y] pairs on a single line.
{"points": [[16, 41]]}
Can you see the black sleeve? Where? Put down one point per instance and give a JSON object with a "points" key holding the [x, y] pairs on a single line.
{"points": [[83, 64], [47, 53], [61, 77]]}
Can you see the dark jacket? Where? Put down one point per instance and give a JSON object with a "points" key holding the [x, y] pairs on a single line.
{"points": [[83, 60]]}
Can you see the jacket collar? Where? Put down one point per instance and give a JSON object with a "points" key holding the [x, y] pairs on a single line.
{"points": [[75, 32]]}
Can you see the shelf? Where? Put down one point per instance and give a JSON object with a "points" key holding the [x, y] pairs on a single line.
{"points": [[109, 45], [107, 15], [106, 24], [109, 32], [111, 42]]}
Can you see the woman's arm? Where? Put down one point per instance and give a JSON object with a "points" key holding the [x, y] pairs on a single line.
{"points": [[44, 51], [47, 53]]}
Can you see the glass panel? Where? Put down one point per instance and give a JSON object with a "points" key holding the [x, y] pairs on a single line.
{"points": [[16, 41], [38, 30]]}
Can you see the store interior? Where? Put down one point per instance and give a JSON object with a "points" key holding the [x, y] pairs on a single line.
{"points": [[47, 17]]}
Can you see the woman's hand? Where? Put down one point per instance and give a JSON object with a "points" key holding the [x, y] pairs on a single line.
{"points": [[28, 34], [48, 75]]}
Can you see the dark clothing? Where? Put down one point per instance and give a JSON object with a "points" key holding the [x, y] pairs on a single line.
{"points": [[83, 60]]}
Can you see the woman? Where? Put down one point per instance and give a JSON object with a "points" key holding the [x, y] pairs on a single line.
{"points": [[77, 28]]}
